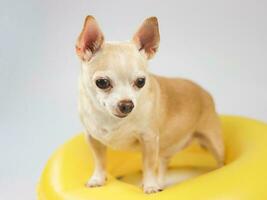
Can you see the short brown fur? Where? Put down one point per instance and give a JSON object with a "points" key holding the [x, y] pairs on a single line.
{"points": [[168, 114]]}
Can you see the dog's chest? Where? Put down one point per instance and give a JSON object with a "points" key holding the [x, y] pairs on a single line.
{"points": [[124, 137]]}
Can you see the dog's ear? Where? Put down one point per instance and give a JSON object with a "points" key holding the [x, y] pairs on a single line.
{"points": [[147, 37], [90, 40]]}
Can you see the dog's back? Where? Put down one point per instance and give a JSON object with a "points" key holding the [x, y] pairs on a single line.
{"points": [[189, 112]]}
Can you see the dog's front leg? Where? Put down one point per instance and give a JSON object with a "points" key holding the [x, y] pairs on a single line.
{"points": [[150, 147], [99, 154]]}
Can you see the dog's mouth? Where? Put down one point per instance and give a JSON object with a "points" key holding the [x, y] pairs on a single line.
{"points": [[120, 115]]}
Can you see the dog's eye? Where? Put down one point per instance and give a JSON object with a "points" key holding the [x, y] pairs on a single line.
{"points": [[140, 82], [103, 83]]}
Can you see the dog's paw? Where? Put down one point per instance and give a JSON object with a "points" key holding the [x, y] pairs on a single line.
{"points": [[149, 189], [96, 182]]}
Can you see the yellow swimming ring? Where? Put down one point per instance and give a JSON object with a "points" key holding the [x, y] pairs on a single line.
{"points": [[243, 177]]}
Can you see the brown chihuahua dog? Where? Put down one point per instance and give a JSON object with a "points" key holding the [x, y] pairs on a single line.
{"points": [[124, 106]]}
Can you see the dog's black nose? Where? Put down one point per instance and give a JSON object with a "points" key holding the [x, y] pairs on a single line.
{"points": [[125, 106]]}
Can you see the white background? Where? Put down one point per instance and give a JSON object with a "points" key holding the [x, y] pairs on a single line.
{"points": [[222, 45]]}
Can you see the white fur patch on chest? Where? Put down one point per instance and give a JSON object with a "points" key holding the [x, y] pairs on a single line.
{"points": [[123, 138]]}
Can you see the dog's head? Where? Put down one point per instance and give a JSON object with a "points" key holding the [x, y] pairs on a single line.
{"points": [[115, 73]]}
